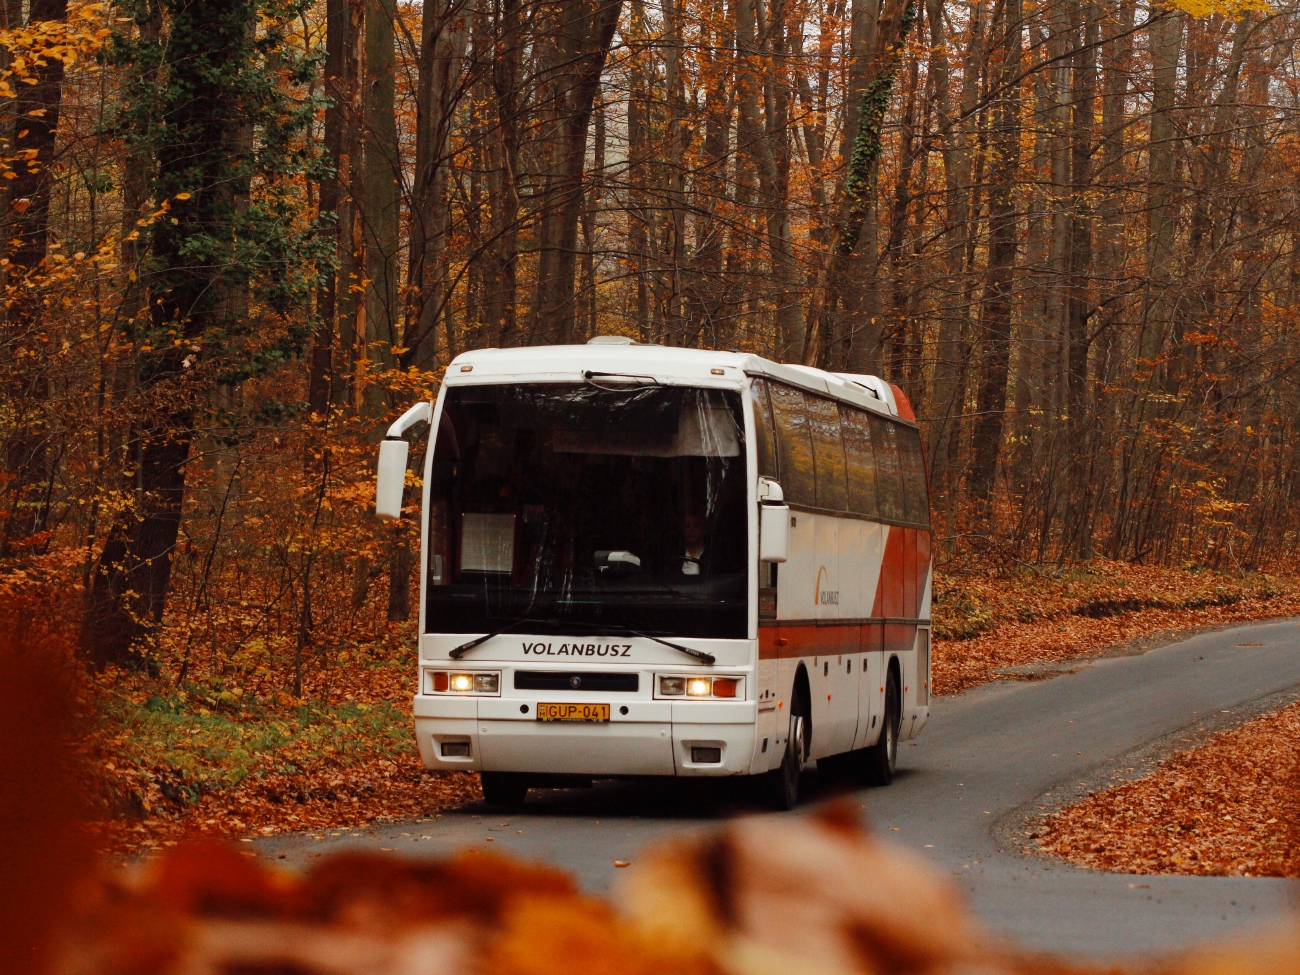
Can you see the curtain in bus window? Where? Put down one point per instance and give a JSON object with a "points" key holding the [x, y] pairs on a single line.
{"points": [[916, 500], [889, 482], [828, 452], [765, 445], [794, 444], [860, 461]]}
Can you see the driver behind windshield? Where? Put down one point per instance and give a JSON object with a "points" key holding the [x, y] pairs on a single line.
{"points": [[690, 560]]}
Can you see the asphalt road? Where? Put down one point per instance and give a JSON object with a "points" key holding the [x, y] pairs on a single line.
{"points": [[990, 759]]}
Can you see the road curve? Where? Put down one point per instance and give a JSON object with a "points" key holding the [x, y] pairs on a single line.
{"points": [[989, 759]]}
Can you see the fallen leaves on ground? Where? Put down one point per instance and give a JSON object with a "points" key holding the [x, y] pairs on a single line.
{"points": [[1228, 808], [233, 754], [384, 790], [172, 763], [986, 622]]}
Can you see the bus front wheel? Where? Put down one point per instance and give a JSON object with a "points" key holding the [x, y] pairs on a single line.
{"points": [[781, 785], [504, 790], [880, 760]]}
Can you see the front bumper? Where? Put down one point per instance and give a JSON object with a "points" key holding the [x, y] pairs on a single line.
{"points": [[653, 737]]}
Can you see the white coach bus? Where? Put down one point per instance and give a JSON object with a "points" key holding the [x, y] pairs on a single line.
{"points": [[646, 561]]}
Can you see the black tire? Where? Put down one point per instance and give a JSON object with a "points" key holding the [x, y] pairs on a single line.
{"points": [[880, 760], [780, 787], [504, 790]]}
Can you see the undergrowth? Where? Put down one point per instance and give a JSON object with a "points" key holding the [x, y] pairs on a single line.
{"points": [[972, 602], [183, 744]]}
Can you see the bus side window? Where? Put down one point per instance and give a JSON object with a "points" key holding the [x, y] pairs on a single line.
{"points": [[828, 452], [861, 461], [765, 445], [917, 499], [794, 445], [889, 481]]}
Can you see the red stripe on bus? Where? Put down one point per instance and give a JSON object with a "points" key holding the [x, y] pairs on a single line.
{"points": [[922, 566], [904, 569], [827, 640], [889, 588], [903, 403]]}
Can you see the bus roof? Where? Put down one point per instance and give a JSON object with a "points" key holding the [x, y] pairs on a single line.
{"points": [[617, 356]]}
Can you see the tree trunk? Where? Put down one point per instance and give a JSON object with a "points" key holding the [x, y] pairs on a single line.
{"points": [[591, 207], [1079, 305], [504, 175], [582, 34], [321, 377], [766, 139], [1166, 37], [639, 217], [444, 36], [953, 141], [996, 314], [704, 289], [877, 49], [381, 200], [195, 169], [28, 461], [678, 148], [350, 296]]}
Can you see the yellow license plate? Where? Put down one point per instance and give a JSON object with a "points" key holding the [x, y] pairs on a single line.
{"points": [[573, 712]]}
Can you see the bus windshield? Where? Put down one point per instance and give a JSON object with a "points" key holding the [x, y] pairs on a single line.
{"points": [[583, 509]]}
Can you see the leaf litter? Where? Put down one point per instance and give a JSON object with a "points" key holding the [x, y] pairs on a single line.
{"points": [[214, 760], [1230, 807]]}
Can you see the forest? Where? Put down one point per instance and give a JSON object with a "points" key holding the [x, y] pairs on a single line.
{"points": [[241, 235]]}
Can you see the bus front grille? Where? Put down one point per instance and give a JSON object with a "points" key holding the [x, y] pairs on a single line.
{"points": [[551, 680]]}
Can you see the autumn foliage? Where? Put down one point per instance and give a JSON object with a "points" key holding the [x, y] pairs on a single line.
{"points": [[240, 236], [1227, 807]]}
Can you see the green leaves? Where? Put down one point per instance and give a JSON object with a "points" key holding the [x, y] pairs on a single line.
{"points": [[213, 108]]}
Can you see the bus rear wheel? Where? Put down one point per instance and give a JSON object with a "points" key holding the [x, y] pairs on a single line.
{"points": [[504, 790], [880, 760]]}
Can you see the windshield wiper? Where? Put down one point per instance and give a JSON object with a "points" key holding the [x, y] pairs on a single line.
{"points": [[458, 651], [700, 655]]}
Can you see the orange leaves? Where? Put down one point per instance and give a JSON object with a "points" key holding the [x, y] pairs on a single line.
{"points": [[1229, 807], [78, 38], [990, 626]]}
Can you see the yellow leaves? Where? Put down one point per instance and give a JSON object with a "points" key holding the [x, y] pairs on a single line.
{"points": [[36, 45], [183, 196], [1235, 9]]}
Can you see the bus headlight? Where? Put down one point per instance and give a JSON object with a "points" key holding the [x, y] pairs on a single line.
{"points": [[727, 688], [462, 682], [699, 687], [442, 682]]}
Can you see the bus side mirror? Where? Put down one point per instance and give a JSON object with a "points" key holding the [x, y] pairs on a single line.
{"points": [[391, 481], [773, 532]]}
